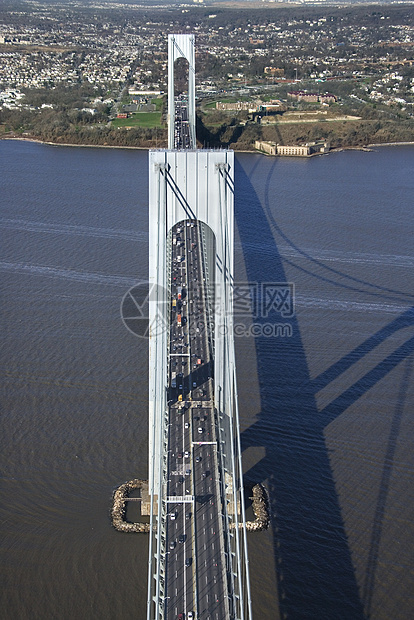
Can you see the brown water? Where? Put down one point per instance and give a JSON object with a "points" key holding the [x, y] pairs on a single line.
{"points": [[326, 413]]}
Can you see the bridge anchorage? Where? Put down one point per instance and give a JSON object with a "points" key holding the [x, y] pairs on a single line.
{"points": [[198, 562]]}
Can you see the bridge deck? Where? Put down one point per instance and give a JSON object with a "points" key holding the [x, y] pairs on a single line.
{"points": [[196, 572]]}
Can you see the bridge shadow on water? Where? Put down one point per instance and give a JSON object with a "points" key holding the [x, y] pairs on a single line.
{"points": [[315, 574]]}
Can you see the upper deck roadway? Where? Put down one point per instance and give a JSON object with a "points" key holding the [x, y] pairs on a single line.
{"points": [[182, 138], [195, 573]]}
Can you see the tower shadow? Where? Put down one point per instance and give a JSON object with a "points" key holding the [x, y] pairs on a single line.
{"points": [[312, 558]]}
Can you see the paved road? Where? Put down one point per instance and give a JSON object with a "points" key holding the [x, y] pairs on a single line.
{"points": [[181, 125], [196, 578]]}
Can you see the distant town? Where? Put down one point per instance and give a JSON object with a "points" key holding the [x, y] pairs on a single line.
{"points": [[286, 75]]}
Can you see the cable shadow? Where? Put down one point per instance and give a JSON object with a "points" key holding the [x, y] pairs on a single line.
{"points": [[378, 291], [366, 382], [368, 586], [404, 320], [312, 557]]}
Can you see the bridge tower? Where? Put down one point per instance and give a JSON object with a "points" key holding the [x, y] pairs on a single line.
{"points": [[194, 188], [181, 46]]}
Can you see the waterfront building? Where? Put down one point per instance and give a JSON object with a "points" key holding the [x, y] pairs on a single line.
{"points": [[297, 150]]}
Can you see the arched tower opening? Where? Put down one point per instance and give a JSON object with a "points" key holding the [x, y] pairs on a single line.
{"points": [[181, 46], [181, 70], [191, 252]]}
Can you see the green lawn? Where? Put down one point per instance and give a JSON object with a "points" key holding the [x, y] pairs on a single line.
{"points": [[147, 120], [158, 103]]}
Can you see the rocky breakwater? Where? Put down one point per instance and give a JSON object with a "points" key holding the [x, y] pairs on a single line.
{"points": [[260, 505], [118, 513]]}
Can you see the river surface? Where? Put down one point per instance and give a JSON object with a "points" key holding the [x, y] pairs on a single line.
{"points": [[326, 412]]}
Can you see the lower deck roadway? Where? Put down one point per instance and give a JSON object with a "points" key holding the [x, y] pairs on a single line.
{"points": [[196, 579]]}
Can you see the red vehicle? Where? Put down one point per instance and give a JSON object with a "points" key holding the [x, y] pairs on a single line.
{"points": [[179, 320]]}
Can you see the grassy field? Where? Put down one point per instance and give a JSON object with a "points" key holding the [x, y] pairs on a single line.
{"points": [[158, 103], [148, 120]]}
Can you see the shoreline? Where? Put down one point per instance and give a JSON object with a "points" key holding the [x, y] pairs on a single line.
{"points": [[366, 148], [391, 144], [91, 146]]}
